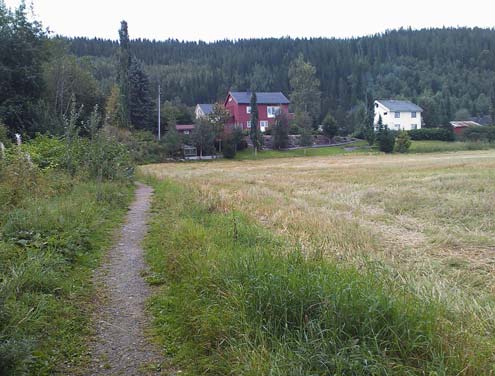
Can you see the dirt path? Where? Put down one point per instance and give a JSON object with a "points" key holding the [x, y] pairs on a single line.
{"points": [[120, 346]]}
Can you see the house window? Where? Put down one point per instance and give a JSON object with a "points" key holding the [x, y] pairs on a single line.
{"points": [[397, 126], [272, 111], [248, 124], [397, 115], [413, 115], [248, 109], [263, 125], [414, 126], [186, 132], [385, 113]]}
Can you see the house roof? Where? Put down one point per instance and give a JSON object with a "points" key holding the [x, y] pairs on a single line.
{"points": [[399, 106], [244, 97], [184, 127], [207, 108], [464, 124]]}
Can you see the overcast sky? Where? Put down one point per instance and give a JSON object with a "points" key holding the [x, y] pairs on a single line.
{"points": [[211, 20]]}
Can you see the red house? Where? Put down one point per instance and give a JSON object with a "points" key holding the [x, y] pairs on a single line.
{"points": [[269, 106]]}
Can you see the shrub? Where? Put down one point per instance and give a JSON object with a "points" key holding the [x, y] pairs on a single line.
{"points": [[229, 148], [402, 142], [385, 138], [432, 134], [46, 152], [280, 132], [330, 127], [486, 134]]}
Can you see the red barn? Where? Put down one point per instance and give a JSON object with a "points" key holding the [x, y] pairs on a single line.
{"points": [[269, 105], [461, 126]]}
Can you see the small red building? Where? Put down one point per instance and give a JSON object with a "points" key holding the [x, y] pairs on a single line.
{"points": [[461, 126], [269, 106]]}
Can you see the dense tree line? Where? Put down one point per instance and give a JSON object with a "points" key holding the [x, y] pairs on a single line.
{"points": [[443, 70]]}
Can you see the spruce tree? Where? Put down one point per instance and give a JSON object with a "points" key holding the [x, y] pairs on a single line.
{"points": [[141, 104], [255, 132], [280, 132], [123, 75]]}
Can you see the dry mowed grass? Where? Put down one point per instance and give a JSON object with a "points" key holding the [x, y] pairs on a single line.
{"points": [[429, 219]]}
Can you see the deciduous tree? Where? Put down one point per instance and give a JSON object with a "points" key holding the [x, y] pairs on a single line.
{"points": [[306, 94]]}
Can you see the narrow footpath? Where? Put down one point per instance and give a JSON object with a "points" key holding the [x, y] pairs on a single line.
{"points": [[120, 346]]}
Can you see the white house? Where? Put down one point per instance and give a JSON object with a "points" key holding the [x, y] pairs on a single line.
{"points": [[398, 115], [203, 110]]}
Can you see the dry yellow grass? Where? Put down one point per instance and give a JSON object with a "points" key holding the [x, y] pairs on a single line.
{"points": [[429, 219]]}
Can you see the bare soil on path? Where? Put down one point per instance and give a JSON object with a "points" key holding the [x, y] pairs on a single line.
{"points": [[120, 346]]}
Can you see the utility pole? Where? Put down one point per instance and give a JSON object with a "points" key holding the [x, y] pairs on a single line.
{"points": [[159, 115]]}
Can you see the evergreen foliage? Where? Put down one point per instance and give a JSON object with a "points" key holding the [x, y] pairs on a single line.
{"points": [[402, 142], [255, 131], [141, 104], [280, 132], [304, 122], [442, 70], [125, 59], [330, 128], [384, 137]]}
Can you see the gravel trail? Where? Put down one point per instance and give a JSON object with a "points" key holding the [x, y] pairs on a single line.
{"points": [[120, 346]]}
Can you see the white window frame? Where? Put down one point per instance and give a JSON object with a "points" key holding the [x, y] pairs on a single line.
{"points": [[272, 111], [263, 123], [248, 109], [397, 127], [414, 126], [397, 114], [414, 114], [248, 123]]}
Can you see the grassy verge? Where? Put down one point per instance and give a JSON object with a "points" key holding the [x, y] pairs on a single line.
{"points": [[444, 146], [236, 299], [309, 152], [50, 242]]}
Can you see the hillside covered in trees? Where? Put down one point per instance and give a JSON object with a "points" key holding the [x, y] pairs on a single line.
{"points": [[449, 72]]}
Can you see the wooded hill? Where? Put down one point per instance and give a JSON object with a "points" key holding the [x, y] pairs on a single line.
{"points": [[446, 71]]}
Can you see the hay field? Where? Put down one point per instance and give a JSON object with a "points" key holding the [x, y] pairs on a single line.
{"points": [[427, 219]]}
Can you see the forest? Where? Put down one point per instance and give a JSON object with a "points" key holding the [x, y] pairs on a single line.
{"points": [[450, 72]]}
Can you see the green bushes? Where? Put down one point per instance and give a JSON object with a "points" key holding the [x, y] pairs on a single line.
{"points": [[237, 300], [402, 142], [432, 134], [59, 199], [479, 134]]}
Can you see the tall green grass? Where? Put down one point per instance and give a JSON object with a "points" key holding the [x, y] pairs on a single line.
{"points": [[50, 241], [446, 146], [236, 299]]}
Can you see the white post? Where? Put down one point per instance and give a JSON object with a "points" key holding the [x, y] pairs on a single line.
{"points": [[2, 151], [159, 117]]}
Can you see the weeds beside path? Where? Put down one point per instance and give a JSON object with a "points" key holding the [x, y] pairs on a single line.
{"points": [[120, 346]]}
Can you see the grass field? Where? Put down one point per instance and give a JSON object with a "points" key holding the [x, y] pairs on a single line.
{"points": [[361, 146], [419, 226]]}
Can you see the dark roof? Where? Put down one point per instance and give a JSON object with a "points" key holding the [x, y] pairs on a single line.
{"points": [[244, 97], [184, 127], [400, 106], [207, 108]]}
